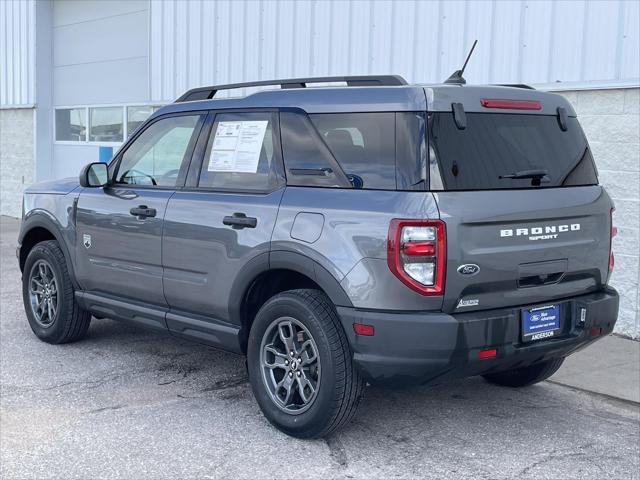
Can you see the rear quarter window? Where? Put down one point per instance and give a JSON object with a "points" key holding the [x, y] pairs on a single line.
{"points": [[378, 151], [363, 144]]}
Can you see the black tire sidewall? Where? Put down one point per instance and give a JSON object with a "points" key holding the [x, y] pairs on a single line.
{"points": [[312, 421], [55, 331]]}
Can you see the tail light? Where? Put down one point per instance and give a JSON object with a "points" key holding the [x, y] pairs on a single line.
{"points": [[612, 233], [416, 254]]}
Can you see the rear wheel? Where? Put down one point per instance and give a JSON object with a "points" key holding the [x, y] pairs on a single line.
{"points": [[300, 365], [48, 296], [523, 377]]}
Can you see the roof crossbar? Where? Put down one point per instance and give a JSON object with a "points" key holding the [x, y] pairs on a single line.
{"points": [[204, 93]]}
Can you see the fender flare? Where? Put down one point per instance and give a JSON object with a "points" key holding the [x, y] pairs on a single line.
{"points": [[39, 219], [283, 260]]}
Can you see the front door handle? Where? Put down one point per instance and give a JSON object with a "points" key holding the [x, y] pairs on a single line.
{"points": [[143, 212], [240, 220]]}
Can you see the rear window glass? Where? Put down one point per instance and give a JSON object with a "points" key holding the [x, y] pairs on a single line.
{"points": [[497, 145]]}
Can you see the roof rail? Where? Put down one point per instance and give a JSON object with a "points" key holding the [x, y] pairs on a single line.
{"points": [[204, 93], [515, 85]]}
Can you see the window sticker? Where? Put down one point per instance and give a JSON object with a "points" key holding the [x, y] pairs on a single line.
{"points": [[236, 146]]}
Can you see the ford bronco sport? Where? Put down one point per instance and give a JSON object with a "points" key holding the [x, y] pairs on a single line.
{"points": [[374, 231]]}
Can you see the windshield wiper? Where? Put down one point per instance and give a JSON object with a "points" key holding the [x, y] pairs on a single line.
{"points": [[535, 174]]}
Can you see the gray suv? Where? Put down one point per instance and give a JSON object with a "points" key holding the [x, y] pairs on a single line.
{"points": [[370, 232]]}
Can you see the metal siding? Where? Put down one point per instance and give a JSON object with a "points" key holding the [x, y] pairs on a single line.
{"points": [[629, 57], [17, 54], [539, 42]]}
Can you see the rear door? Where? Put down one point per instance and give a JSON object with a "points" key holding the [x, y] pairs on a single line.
{"points": [[526, 221], [220, 225], [119, 227]]}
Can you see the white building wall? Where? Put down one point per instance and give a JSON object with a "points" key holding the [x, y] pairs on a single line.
{"points": [[16, 157], [610, 119], [17, 53], [100, 52], [100, 57], [566, 44]]}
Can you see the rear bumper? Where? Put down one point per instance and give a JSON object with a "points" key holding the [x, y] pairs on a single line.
{"points": [[429, 347]]}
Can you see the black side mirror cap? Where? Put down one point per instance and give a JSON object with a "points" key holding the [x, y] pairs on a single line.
{"points": [[94, 175]]}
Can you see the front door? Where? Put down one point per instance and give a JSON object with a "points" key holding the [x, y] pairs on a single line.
{"points": [[119, 228], [222, 221]]}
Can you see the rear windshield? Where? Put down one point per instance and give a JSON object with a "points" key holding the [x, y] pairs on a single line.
{"points": [[494, 147]]}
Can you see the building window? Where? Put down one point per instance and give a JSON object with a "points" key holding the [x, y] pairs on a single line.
{"points": [[71, 125], [136, 116], [99, 125], [106, 124]]}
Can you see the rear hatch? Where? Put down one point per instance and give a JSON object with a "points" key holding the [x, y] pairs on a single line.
{"points": [[526, 221]]}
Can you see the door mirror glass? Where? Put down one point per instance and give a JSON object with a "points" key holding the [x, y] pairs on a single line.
{"points": [[94, 175]]}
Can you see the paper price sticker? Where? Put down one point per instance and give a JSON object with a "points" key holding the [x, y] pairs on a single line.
{"points": [[236, 146]]}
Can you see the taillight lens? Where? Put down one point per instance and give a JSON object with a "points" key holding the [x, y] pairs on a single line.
{"points": [[612, 233], [416, 254]]}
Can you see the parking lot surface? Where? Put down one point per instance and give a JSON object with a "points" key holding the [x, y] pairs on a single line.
{"points": [[125, 403]]}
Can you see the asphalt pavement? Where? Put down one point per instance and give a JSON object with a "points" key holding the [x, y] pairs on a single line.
{"points": [[126, 403]]}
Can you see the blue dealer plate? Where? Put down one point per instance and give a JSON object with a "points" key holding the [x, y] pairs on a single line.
{"points": [[540, 322]]}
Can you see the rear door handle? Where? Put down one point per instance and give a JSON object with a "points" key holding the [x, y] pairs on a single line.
{"points": [[142, 212], [240, 220]]}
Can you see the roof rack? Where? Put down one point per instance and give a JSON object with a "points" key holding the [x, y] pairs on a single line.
{"points": [[204, 93], [515, 85]]}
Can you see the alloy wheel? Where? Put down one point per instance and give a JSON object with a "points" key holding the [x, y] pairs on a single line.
{"points": [[290, 365], [43, 293]]}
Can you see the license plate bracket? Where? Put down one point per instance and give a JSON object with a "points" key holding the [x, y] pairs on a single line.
{"points": [[539, 323]]}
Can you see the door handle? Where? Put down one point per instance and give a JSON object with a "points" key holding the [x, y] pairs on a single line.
{"points": [[240, 220], [143, 212]]}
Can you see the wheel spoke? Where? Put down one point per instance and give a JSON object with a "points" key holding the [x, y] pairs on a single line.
{"points": [[42, 271], [303, 384], [278, 358], [287, 384], [308, 353], [287, 338], [53, 307]]}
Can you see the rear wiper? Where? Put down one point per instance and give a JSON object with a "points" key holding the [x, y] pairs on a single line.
{"points": [[535, 174]]}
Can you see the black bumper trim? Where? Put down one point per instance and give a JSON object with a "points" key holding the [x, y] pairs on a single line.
{"points": [[429, 347]]}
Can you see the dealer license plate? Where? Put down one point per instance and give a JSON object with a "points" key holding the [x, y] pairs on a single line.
{"points": [[540, 322]]}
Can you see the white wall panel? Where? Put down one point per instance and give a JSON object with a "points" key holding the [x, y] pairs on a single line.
{"points": [[548, 43], [17, 53]]}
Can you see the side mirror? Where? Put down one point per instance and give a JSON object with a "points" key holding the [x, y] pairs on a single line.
{"points": [[94, 175]]}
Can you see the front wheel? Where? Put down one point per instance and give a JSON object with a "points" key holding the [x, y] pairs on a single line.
{"points": [[300, 365], [48, 295], [525, 376]]}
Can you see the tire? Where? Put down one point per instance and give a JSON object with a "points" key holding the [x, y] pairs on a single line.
{"points": [[46, 268], [309, 316], [523, 377]]}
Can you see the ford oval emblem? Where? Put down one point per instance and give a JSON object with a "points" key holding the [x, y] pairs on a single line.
{"points": [[468, 269]]}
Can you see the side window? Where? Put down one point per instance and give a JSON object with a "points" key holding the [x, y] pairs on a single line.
{"points": [[363, 144], [307, 159], [157, 155], [243, 153]]}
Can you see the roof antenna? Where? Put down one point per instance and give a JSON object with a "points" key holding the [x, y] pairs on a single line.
{"points": [[456, 77]]}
